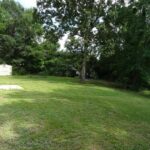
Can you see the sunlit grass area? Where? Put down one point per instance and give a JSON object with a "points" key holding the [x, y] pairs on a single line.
{"points": [[53, 113]]}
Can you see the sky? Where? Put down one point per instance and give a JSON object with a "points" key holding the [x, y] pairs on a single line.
{"points": [[27, 3]]}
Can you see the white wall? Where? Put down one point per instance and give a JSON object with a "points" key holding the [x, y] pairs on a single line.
{"points": [[5, 70]]}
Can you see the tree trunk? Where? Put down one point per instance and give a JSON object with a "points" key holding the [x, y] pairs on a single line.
{"points": [[83, 70]]}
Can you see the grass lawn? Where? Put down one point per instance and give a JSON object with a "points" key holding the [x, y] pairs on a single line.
{"points": [[53, 113]]}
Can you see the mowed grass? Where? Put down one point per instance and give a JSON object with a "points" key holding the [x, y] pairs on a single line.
{"points": [[53, 113]]}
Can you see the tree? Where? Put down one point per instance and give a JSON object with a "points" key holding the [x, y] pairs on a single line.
{"points": [[19, 34], [79, 19], [9, 14], [126, 43]]}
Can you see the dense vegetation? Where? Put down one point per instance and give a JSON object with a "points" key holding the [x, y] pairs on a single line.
{"points": [[106, 40]]}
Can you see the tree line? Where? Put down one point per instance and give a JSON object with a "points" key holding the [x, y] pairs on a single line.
{"points": [[106, 39]]}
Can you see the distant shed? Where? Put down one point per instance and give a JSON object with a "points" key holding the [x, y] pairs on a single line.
{"points": [[5, 70]]}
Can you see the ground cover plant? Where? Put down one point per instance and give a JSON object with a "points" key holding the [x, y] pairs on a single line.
{"points": [[54, 113]]}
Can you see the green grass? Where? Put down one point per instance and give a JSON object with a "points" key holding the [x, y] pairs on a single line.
{"points": [[53, 113]]}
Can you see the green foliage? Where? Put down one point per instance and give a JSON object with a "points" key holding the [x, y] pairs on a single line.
{"points": [[6, 48], [125, 55], [18, 37], [78, 18], [120, 41]]}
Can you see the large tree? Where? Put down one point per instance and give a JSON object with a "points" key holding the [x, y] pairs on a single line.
{"points": [[79, 19], [18, 37], [127, 44]]}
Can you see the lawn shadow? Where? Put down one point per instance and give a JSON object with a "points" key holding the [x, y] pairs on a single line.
{"points": [[87, 83], [51, 79]]}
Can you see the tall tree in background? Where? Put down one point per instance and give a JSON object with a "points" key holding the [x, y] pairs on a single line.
{"points": [[134, 64], [18, 37], [9, 14], [77, 18], [128, 43]]}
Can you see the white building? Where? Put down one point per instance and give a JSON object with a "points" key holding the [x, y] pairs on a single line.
{"points": [[5, 70]]}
